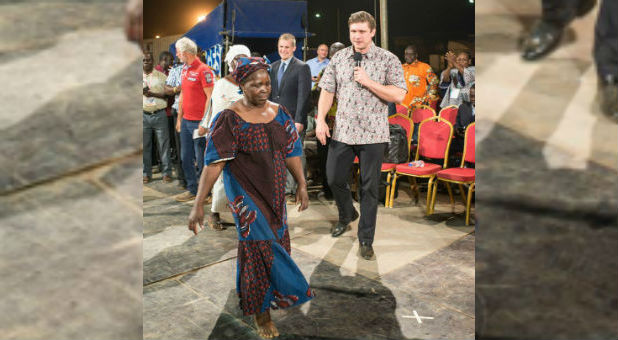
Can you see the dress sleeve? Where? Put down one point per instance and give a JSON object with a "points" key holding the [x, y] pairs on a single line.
{"points": [[222, 141], [294, 146]]}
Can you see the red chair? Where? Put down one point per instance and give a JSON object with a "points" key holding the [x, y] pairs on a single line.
{"points": [[402, 109], [434, 140], [389, 168], [421, 112], [460, 175], [450, 113]]}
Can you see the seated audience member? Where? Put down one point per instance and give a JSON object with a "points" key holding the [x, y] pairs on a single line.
{"points": [[456, 78], [465, 117]]}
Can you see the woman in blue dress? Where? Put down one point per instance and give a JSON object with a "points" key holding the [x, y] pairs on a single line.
{"points": [[253, 142]]}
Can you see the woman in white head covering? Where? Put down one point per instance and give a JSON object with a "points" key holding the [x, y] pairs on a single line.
{"points": [[225, 92]]}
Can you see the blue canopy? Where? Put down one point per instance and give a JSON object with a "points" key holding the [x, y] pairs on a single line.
{"points": [[256, 23]]}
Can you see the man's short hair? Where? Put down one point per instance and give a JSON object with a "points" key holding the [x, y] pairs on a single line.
{"points": [[185, 44], [322, 44], [362, 16], [412, 46], [164, 54], [288, 37]]}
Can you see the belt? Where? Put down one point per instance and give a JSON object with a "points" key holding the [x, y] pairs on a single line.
{"points": [[154, 112]]}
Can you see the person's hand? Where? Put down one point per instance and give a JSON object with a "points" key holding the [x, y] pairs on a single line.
{"points": [[178, 125], [451, 58], [201, 131], [302, 197], [321, 130], [196, 218], [299, 127], [361, 76]]}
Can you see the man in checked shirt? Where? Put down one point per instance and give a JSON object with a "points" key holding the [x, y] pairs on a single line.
{"points": [[361, 123]]}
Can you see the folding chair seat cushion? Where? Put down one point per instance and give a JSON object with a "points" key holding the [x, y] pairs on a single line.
{"points": [[388, 166], [428, 169], [457, 174]]}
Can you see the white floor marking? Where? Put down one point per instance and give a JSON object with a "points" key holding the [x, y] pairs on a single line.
{"points": [[417, 317]]}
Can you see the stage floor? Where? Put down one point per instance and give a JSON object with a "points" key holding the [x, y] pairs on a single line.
{"points": [[547, 160], [424, 268]]}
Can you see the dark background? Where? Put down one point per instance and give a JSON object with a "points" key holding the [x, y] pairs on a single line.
{"points": [[429, 24]]}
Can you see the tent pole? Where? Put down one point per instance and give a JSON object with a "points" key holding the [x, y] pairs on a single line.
{"points": [[384, 24]]}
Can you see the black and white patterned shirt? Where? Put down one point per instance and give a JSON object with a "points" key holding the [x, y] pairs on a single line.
{"points": [[362, 117]]}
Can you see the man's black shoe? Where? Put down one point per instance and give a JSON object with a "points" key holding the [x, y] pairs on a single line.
{"points": [[341, 227], [366, 250], [608, 96], [542, 39]]}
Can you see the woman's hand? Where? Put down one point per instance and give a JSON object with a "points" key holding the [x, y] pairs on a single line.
{"points": [[196, 218], [302, 196]]}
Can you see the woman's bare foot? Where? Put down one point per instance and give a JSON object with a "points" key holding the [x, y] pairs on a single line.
{"points": [[265, 327], [214, 222]]}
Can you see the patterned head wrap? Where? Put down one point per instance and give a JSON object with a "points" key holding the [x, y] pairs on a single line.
{"points": [[246, 66]]}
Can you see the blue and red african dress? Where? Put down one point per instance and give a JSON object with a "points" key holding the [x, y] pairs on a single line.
{"points": [[254, 180]]}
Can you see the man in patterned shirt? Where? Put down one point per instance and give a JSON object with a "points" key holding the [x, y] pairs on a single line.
{"points": [[363, 90], [422, 82]]}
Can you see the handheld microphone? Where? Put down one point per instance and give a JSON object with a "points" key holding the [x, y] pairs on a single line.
{"points": [[357, 59]]}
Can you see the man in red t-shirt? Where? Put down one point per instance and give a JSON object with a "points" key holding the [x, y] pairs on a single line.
{"points": [[197, 81]]}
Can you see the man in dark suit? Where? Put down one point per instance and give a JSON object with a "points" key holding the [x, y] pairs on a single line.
{"points": [[290, 79]]}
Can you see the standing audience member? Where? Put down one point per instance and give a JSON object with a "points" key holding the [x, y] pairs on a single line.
{"points": [[197, 81], [291, 87], [225, 92], [422, 82], [172, 88], [330, 121], [165, 62], [456, 78], [154, 120], [317, 64], [361, 124]]}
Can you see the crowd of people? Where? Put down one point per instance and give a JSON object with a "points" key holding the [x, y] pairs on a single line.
{"points": [[238, 141]]}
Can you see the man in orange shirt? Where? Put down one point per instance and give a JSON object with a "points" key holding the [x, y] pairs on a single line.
{"points": [[421, 81]]}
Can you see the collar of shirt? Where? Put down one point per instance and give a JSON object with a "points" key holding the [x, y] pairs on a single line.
{"points": [[287, 62], [196, 62], [317, 61], [160, 69], [371, 53]]}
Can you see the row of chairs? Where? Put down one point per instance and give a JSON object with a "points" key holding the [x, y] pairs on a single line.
{"points": [[435, 134]]}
